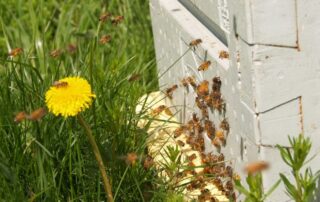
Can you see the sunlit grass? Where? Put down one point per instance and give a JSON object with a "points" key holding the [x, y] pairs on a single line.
{"points": [[50, 159]]}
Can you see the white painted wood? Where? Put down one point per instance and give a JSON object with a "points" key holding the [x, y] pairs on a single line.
{"points": [[271, 22], [271, 83]]}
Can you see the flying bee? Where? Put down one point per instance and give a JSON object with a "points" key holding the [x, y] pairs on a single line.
{"points": [[184, 83], [131, 158], [202, 88], [192, 157], [224, 125], [158, 110], [204, 66], [20, 117], [15, 52], [256, 167], [72, 48], [105, 39], [134, 77], [219, 134], [105, 16], [60, 84], [195, 43], [216, 86], [37, 114], [191, 81], [180, 143], [169, 91], [223, 54], [117, 19], [55, 53], [148, 162]]}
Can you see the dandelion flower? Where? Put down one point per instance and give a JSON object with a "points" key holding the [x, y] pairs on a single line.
{"points": [[69, 96]]}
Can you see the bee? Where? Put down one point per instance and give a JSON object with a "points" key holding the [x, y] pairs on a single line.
{"points": [[184, 83], [223, 54], [192, 157], [169, 91], [256, 167], [195, 43], [105, 16], [117, 19], [37, 114], [229, 171], [224, 125], [204, 112], [131, 158], [180, 143], [134, 77], [216, 86], [148, 162], [158, 110], [200, 104], [219, 105], [208, 100], [218, 183], [60, 84], [214, 199], [219, 134], [202, 88], [104, 39], [15, 52], [204, 196], [229, 185], [204, 66], [191, 81], [55, 53], [209, 128], [179, 131], [20, 117], [72, 48], [221, 157]]}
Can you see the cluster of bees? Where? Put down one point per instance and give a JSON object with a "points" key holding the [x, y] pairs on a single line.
{"points": [[207, 98]]}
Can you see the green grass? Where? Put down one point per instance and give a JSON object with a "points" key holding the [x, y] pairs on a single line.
{"points": [[50, 160]]}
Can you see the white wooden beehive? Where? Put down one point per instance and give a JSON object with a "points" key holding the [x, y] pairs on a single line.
{"points": [[271, 83]]}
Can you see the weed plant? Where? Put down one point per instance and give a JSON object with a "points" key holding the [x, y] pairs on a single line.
{"points": [[50, 159]]}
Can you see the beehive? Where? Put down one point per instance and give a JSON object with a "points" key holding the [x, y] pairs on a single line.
{"points": [[270, 82]]}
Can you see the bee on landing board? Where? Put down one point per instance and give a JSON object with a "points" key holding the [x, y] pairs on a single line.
{"points": [[203, 88], [224, 125], [223, 54], [216, 86], [204, 66], [169, 91]]}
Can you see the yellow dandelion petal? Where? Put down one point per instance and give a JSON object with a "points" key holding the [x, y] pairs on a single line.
{"points": [[69, 96]]}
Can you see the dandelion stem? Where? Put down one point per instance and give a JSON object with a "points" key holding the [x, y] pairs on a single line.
{"points": [[97, 154]]}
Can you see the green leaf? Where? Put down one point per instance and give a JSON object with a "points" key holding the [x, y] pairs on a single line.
{"points": [[292, 191], [272, 189]]}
